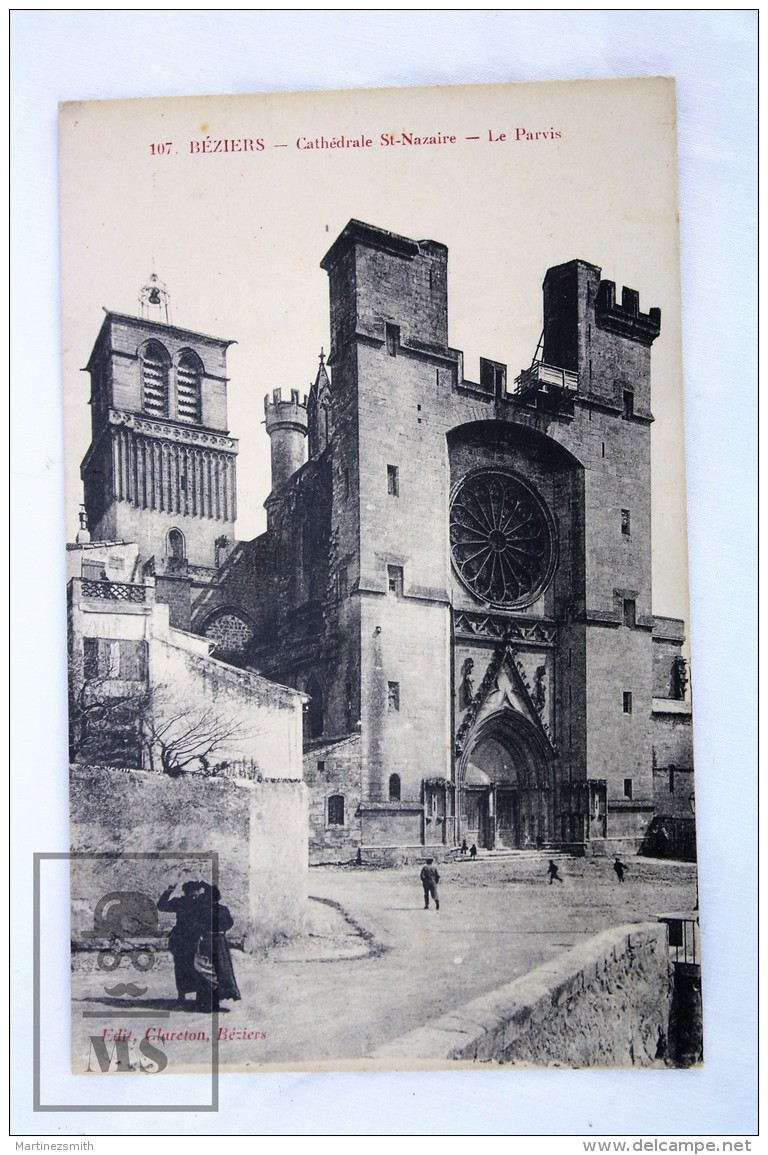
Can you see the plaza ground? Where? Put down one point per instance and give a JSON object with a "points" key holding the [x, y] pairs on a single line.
{"points": [[375, 965]]}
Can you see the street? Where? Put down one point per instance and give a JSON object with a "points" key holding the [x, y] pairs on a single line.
{"points": [[375, 964]]}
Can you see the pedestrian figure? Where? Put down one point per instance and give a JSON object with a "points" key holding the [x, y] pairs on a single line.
{"points": [[184, 937], [619, 867], [553, 872], [464, 847], [473, 851], [213, 961], [539, 842], [429, 880]]}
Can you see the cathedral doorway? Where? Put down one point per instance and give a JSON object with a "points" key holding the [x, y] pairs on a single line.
{"points": [[506, 786]]}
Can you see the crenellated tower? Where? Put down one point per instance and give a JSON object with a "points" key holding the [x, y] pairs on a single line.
{"points": [[458, 574], [286, 423], [608, 345]]}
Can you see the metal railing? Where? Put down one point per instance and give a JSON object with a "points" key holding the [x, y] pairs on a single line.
{"points": [[544, 378], [113, 591], [684, 944]]}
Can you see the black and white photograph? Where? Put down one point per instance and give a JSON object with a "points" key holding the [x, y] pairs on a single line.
{"points": [[383, 776], [433, 719]]}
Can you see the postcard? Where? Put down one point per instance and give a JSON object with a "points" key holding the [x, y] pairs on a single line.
{"points": [[379, 687]]}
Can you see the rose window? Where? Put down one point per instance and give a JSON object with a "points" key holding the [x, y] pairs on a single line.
{"points": [[502, 539]]}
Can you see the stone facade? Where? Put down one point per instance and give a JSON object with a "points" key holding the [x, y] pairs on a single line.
{"points": [[457, 573], [332, 776], [507, 700]]}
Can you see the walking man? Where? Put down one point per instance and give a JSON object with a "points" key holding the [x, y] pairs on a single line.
{"points": [[619, 867], [553, 872], [429, 880]]}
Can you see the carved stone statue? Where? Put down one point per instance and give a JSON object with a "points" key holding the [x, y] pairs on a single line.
{"points": [[467, 686], [539, 692], [679, 678]]}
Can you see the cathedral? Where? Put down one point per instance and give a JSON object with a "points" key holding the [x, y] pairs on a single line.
{"points": [[455, 573]]}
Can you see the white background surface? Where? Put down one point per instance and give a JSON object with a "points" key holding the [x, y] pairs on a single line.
{"points": [[59, 56]]}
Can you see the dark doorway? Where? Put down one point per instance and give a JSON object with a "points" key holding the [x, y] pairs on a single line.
{"points": [[506, 785], [507, 818]]}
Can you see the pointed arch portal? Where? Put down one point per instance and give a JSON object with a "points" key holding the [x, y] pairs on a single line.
{"points": [[506, 784]]}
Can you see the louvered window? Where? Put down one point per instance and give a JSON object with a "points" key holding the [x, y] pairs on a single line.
{"points": [[188, 389], [154, 379]]}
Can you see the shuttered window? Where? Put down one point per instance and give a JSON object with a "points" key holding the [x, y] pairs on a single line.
{"points": [[154, 380], [188, 389]]}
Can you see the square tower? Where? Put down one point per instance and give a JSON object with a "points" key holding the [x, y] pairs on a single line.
{"points": [[160, 470], [459, 576], [389, 353]]}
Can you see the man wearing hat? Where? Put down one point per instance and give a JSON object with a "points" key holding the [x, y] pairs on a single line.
{"points": [[429, 880]]}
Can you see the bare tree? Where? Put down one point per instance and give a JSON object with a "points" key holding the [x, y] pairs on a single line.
{"points": [[106, 718], [177, 734]]}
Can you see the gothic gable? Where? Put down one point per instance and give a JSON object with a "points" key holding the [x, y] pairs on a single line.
{"points": [[504, 686]]}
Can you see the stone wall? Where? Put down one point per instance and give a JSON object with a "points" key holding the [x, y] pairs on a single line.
{"points": [[605, 1003], [332, 769], [258, 830], [672, 730]]}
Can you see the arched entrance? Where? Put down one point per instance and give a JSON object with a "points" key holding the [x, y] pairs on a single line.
{"points": [[506, 785]]}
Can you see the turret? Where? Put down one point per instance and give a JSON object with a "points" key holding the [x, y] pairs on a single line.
{"points": [[607, 345], [286, 423]]}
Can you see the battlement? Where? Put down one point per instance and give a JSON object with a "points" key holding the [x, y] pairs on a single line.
{"points": [[625, 319], [281, 414], [287, 424], [606, 345]]}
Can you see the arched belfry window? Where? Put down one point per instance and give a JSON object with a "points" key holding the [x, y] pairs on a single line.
{"points": [[176, 545], [394, 788], [155, 364], [189, 372]]}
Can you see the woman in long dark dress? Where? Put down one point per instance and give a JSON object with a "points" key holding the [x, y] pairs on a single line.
{"points": [[213, 960], [183, 939]]}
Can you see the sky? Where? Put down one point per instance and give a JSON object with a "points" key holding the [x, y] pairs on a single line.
{"points": [[237, 232]]}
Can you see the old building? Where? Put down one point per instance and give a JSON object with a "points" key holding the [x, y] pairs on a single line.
{"points": [[160, 469], [176, 757], [456, 573], [149, 695]]}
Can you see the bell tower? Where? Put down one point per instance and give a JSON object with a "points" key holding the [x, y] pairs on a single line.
{"points": [[160, 469]]}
